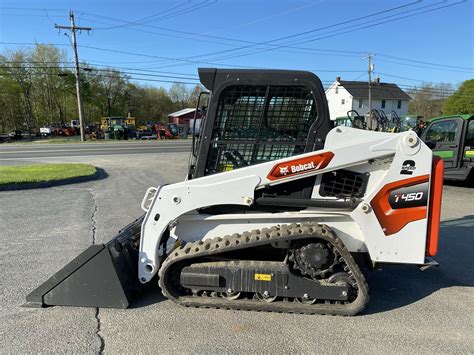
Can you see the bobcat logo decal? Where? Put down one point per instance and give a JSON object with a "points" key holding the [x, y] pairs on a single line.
{"points": [[297, 166], [283, 170]]}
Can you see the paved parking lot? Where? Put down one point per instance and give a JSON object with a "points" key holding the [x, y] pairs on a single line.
{"points": [[41, 230]]}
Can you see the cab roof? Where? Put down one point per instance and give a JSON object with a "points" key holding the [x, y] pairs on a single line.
{"points": [[463, 116]]}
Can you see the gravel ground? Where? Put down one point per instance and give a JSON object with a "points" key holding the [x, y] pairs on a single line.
{"points": [[41, 230]]}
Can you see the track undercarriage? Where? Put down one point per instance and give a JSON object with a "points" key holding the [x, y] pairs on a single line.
{"points": [[297, 268]]}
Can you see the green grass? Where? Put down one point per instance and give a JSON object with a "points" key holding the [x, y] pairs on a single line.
{"points": [[23, 174]]}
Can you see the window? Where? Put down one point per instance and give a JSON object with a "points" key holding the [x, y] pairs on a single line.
{"points": [[470, 134], [383, 104], [361, 102], [337, 89], [255, 124], [343, 102], [399, 104], [444, 131]]}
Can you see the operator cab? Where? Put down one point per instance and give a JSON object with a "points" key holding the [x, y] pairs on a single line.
{"points": [[255, 116]]}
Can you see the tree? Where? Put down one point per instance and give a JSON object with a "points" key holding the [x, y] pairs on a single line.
{"points": [[462, 101], [194, 96], [16, 64], [114, 84], [11, 106], [37, 87], [427, 101], [49, 89], [152, 104], [179, 94]]}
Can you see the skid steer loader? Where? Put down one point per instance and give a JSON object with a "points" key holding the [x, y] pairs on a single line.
{"points": [[278, 213]]}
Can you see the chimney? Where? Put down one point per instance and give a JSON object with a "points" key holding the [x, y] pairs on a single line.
{"points": [[338, 78], [377, 80]]}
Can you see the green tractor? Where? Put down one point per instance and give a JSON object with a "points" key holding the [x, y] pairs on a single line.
{"points": [[452, 139]]}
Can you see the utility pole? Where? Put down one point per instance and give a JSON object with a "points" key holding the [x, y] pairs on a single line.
{"points": [[371, 69], [73, 28]]}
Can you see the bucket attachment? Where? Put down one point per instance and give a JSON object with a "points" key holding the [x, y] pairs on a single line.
{"points": [[104, 275]]}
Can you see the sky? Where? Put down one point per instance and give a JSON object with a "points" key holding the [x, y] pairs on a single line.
{"points": [[158, 42]]}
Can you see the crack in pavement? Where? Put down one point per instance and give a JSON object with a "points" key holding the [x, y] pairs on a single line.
{"points": [[97, 332], [94, 228], [97, 311]]}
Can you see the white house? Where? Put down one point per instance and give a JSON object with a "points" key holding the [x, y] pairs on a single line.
{"points": [[344, 96]]}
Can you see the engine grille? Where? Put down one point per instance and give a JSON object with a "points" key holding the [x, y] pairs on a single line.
{"points": [[343, 184]]}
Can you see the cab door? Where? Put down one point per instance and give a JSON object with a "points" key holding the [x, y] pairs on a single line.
{"points": [[447, 134]]}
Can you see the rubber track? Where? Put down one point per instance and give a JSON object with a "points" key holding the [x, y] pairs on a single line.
{"points": [[256, 238]]}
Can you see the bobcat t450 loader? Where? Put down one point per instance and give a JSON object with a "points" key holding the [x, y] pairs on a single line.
{"points": [[278, 212]]}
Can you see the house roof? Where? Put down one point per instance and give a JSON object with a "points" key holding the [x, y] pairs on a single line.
{"points": [[360, 89], [181, 112]]}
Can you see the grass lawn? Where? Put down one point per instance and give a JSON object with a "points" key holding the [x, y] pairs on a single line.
{"points": [[23, 174]]}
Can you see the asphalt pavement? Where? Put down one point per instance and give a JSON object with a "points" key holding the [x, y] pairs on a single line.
{"points": [[41, 230], [10, 152]]}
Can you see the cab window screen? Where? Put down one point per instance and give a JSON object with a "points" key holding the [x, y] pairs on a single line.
{"points": [[255, 124]]}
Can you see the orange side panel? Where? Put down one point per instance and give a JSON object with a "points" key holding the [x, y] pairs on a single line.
{"points": [[300, 166], [434, 213], [393, 220]]}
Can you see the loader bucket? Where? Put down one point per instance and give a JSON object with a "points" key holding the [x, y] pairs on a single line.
{"points": [[104, 275]]}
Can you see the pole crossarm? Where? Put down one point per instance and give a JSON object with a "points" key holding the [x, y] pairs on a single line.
{"points": [[77, 28]]}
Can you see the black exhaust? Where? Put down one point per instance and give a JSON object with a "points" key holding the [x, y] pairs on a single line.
{"points": [[104, 275]]}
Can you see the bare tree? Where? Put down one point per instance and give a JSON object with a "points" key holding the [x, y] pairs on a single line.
{"points": [[179, 94], [428, 99]]}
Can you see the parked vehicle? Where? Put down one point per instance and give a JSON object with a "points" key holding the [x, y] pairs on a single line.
{"points": [[46, 131], [452, 139]]}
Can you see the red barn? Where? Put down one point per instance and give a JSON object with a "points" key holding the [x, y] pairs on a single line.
{"points": [[182, 117]]}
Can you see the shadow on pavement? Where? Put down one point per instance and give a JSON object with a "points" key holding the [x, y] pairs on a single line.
{"points": [[397, 286], [150, 295], [98, 175], [469, 183]]}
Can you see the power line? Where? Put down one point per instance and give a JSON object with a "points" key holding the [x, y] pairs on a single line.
{"points": [[319, 70], [104, 70], [272, 16], [400, 77], [307, 32], [201, 5], [111, 76], [244, 41], [424, 66], [328, 36], [94, 63], [217, 37], [301, 50], [349, 31], [131, 53], [141, 20], [205, 3], [408, 87], [423, 62]]}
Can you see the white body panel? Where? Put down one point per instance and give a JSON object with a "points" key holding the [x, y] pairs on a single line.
{"points": [[379, 154]]}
